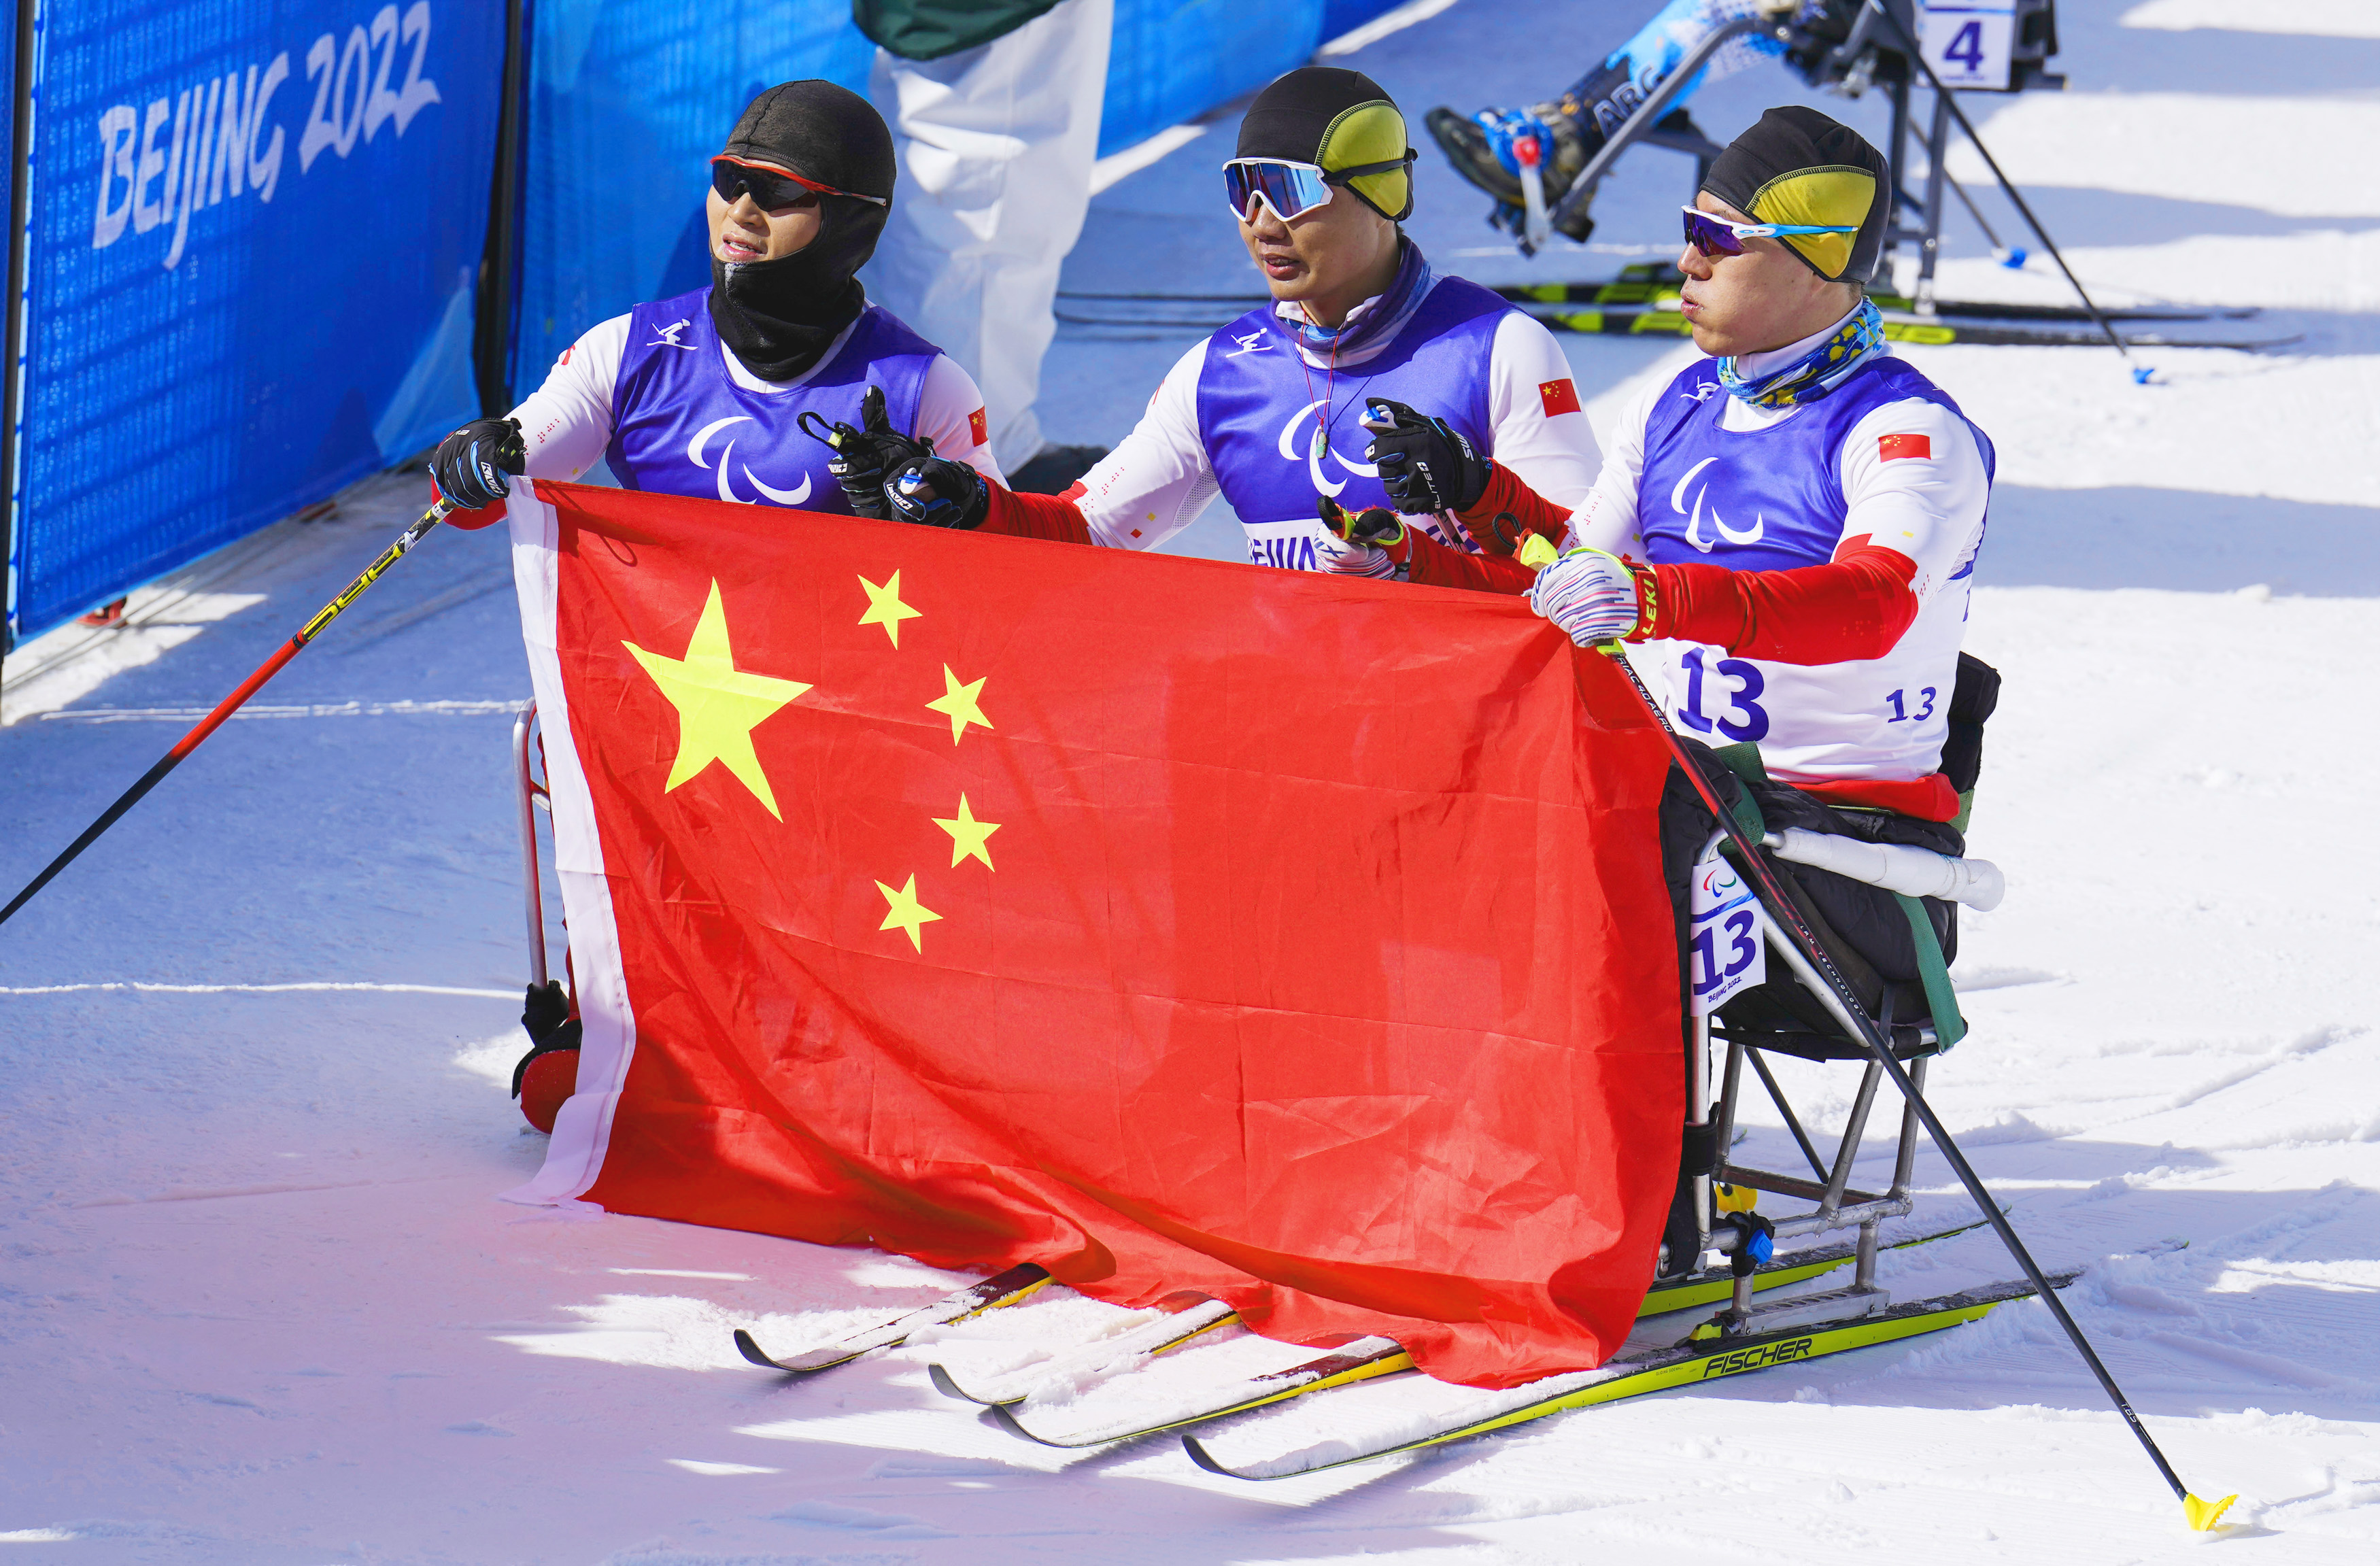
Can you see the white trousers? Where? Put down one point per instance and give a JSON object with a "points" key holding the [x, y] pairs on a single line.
{"points": [[996, 145]]}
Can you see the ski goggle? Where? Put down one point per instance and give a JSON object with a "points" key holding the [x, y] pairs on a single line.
{"points": [[1716, 237], [1291, 190], [772, 190]]}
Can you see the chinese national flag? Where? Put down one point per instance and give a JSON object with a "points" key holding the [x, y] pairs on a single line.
{"points": [[1175, 924]]}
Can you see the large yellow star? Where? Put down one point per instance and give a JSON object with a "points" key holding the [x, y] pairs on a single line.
{"points": [[907, 913], [968, 835], [959, 703], [885, 608], [718, 705]]}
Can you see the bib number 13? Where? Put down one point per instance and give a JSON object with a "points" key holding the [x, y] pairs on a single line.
{"points": [[1733, 683]]}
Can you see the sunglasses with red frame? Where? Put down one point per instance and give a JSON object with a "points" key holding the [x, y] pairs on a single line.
{"points": [[772, 190]]}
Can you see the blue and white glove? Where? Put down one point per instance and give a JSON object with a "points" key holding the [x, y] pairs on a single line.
{"points": [[1591, 594], [1354, 560]]}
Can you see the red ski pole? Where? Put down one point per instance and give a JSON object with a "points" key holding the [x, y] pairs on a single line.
{"points": [[232, 703]]}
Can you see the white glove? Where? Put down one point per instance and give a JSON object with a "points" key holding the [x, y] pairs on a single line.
{"points": [[1336, 555], [1591, 594]]}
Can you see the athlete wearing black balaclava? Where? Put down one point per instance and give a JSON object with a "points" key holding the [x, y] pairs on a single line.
{"points": [[724, 391]]}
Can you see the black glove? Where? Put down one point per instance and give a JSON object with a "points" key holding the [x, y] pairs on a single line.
{"points": [[550, 1026], [469, 465], [1424, 463], [864, 459], [939, 493], [1375, 526]]}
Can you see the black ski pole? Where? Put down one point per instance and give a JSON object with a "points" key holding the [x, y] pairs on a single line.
{"points": [[1974, 211], [1951, 101], [230, 704], [2201, 1514]]}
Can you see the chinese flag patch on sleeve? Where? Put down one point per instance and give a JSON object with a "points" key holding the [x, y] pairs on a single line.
{"points": [[977, 428], [1560, 397], [1888, 447]]}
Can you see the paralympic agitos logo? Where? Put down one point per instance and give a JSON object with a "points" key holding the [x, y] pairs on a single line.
{"points": [[694, 447], [207, 144], [1317, 446]]}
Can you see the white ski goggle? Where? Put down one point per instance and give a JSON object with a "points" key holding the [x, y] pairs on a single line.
{"points": [[1291, 190]]}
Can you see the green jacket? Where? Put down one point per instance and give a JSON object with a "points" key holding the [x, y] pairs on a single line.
{"points": [[927, 30]]}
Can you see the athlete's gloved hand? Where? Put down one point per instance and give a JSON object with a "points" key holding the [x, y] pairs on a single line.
{"points": [[1591, 594], [1358, 542], [1425, 465], [938, 493], [865, 457], [469, 465]]}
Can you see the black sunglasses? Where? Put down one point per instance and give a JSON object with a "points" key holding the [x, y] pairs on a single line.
{"points": [[772, 190]]}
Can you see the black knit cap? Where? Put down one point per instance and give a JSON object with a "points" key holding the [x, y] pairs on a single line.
{"points": [[1798, 167], [1334, 119], [820, 131]]}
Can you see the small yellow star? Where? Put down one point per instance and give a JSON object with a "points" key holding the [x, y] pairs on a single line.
{"points": [[718, 705], [885, 608], [968, 835], [960, 703], [906, 913]]}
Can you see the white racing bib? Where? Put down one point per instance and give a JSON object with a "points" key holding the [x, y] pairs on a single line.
{"points": [[1726, 925]]}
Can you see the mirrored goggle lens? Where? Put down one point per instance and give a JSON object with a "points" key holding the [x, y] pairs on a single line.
{"points": [[1711, 237], [1291, 190]]}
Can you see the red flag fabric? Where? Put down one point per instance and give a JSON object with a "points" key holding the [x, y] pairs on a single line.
{"points": [[1173, 924]]}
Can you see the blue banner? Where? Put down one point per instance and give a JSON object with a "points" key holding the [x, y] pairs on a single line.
{"points": [[257, 228], [1172, 60], [628, 100]]}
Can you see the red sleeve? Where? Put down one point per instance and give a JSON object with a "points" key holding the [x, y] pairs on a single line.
{"points": [[1441, 565], [1852, 608], [1929, 799], [1036, 517], [1532, 510]]}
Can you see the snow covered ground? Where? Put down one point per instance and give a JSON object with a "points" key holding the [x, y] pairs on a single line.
{"points": [[258, 1303]]}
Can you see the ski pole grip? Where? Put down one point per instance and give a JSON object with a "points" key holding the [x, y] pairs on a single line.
{"points": [[1913, 872]]}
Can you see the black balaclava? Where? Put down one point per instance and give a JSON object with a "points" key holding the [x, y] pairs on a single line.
{"points": [[779, 316], [1796, 166], [1334, 119]]}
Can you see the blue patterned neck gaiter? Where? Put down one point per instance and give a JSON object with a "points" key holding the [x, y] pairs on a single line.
{"points": [[1377, 319], [1816, 374]]}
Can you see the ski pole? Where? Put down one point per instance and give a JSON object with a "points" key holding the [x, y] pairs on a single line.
{"points": [[1951, 101], [2202, 1515], [1977, 212], [232, 703]]}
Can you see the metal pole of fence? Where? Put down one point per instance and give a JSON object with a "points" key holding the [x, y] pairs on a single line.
{"points": [[21, 217], [491, 347]]}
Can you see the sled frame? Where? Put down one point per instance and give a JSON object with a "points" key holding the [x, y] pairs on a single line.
{"points": [[1837, 1204], [534, 797]]}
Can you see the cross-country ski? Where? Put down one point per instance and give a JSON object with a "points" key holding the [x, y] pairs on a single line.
{"points": [[1007, 1288]]}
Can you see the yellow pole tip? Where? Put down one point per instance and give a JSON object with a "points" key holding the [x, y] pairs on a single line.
{"points": [[2204, 1515], [1536, 553]]}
